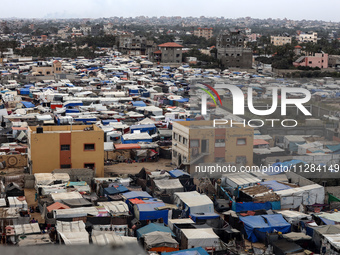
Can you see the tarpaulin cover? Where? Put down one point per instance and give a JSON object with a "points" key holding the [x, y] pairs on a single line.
{"points": [[254, 222], [251, 206], [327, 222], [332, 198], [136, 194], [115, 190], [178, 173], [149, 212], [278, 223], [193, 251], [203, 216], [28, 104], [152, 227], [138, 103], [275, 186]]}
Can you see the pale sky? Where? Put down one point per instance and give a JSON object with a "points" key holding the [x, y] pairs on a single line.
{"points": [[327, 10]]}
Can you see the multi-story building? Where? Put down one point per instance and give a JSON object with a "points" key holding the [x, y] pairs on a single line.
{"points": [[132, 45], [44, 68], [308, 37], [195, 142], [319, 60], [280, 40], [75, 146], [168, 53], [231, 50], [207, 33]]}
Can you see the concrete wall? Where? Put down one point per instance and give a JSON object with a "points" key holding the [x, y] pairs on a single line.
{"points": [[295, 178]]}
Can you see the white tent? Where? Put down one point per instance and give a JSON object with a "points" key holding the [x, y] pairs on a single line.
{"points": [[73, 233], [202, 237], [109, 237], [197, 203]]}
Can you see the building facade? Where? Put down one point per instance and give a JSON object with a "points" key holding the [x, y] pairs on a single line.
{"points": [[319, 60], [55, 147], [168, 53], [44, 68], [280, 40], [207, 33], [195, 142], [308, 37], [231, 50]]}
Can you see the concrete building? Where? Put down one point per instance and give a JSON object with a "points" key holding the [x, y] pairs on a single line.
{"points": [[280, 40], [308, 37], [195, 142], [55, 147], [132, 45], [44, 68], [231, 50], [334, 61], [168, 53], [207, 33], [319, 60]]}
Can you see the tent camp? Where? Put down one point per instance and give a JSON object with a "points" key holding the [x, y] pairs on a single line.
{"points": [[110, 237], [291, 216]]}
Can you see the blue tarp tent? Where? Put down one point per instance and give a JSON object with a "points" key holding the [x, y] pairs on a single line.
{"points": [[146, 128], [149, 212], [178, 173], [203, 216], [256, 227], [115, 190], [138, 103], [251, 206], [281, 167], [277, 222], [252, 223], [136, 194], [152, 227], [25, 91], [192, 251], [28, 104], [275, 186], [334, 148]]}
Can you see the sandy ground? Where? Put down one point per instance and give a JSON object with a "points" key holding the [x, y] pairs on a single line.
{"points": [[30, 197], [134, 168]]}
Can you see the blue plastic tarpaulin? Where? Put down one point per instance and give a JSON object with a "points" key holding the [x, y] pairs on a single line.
{"points": [[277, 222], [203, 216], [251, 206], [149, 212], [115, 190], [28, 104], [254, 222], [136, 194], [178, 173], [138, 103]]}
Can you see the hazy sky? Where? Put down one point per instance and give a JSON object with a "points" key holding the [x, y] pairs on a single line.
{"points": [[327, 10]]}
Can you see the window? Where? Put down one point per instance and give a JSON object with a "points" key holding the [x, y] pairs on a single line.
{"points": [[219, 141], [89, 147], [89, 165], [177, 55], [174, 154], [65, 147], [175, 136], [241, 141], [180, 138], [219, 160], [65, 166], [185, 141], [194, 143]]}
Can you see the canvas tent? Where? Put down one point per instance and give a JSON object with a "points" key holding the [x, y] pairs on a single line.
{"points": [[73, 233], [160, 242], [203, 237], [111, 238], [194, 202]]}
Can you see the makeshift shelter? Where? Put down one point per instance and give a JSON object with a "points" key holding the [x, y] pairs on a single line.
{"points": [[150, 211], [254, 227], [39, 239], [56, 206], [193, 202], [160, 242], [116, 208], [152, 227], [292, 216], [111, 238], [73, 232], [203, 237], [283, 247]]}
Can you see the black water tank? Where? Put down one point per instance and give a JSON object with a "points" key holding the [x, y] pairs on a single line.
{"points": [[40, 130]]}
